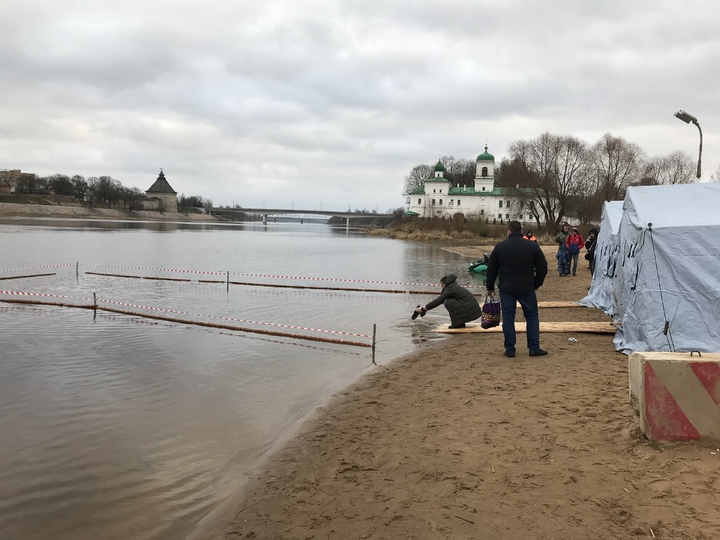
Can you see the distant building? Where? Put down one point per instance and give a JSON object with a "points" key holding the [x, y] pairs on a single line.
{"points": [[6, 188], [160, 196], [437, 197], [18, 181]]}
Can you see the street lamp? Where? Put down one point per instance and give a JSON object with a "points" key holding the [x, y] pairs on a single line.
{"points": [[687, 118]]}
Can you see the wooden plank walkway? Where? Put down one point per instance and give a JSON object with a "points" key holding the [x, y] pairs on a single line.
{"points": [[554, 327]]}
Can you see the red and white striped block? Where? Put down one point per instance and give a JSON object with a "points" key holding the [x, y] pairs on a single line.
{"points": [[676, 395]]}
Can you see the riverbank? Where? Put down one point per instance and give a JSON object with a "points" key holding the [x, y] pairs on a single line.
{"points": [[85, 212], [457, 441]]}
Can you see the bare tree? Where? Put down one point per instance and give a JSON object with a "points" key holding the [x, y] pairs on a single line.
{"points": [[716, 177], [104, 190], [460, 172], [60, 184], [616, 164], [131, 197], [676, 168], [417, 177], [554, 170], [80, 186]]}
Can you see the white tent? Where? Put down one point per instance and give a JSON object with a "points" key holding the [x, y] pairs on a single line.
{"points": [[667, 282], [600, 295]]}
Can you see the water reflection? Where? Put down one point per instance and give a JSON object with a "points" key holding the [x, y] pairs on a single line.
{"points": [[127, 427]]}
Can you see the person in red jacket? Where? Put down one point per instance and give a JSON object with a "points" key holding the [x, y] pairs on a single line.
{"points": [[574, 244]]}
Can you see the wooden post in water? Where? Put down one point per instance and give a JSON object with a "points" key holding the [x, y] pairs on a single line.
{"points": [[227, 282], [77, 269], [373, 342], [95, 301]]}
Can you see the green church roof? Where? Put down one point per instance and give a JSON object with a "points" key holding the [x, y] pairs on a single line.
{"points": [[486, 156], [439, 167]]}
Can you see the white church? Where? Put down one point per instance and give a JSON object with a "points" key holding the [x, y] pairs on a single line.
{"points": [[438, 198]]}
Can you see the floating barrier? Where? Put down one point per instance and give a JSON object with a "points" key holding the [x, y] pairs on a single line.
{"points": [[96, 306], [27, 276], [270, 276]]}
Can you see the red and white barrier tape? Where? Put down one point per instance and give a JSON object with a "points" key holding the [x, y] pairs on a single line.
{"points": [[20, 293], [208, 272], [343, 280], [337, 332], [34, 267], [294, 327], [159, 269]]}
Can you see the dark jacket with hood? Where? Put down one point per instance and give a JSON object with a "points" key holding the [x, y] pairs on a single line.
{"points": [[461, 304], [521, 264]]}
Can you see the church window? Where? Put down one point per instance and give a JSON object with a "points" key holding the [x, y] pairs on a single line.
{"points": [[440, 201], [458, 202], [433, 201], [499, 204], [484, 171], [482, 211], [507, 216], [499, 216], [507, 204], [419, 201]]}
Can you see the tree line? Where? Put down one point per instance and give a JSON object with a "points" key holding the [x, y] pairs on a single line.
{"points": [[100, 190], [556, 177]]}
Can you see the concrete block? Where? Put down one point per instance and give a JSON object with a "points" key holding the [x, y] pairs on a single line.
{"points": [[676, 395]]}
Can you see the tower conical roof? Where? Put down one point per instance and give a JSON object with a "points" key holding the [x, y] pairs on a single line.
{"points": [[161, 185]]}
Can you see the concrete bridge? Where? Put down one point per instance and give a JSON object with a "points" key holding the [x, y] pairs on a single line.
{"points": [[265, 212]]}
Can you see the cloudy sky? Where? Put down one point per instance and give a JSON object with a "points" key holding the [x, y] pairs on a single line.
{"points": [[329, 103]]}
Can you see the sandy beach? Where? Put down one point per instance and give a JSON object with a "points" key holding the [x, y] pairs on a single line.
{"points": [[456, 441]]}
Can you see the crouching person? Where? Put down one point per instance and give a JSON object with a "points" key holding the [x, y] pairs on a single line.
{"points": [[461, 304]]}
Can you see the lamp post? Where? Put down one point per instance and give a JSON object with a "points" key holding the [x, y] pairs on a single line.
{"points": [[687, 118]]}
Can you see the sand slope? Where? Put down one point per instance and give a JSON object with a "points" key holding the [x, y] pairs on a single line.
{"points": [[456, 441]]}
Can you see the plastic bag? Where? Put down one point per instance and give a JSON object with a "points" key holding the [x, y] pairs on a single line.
{"points": [[490, 312]]}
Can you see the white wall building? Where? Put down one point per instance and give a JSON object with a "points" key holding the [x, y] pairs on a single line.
{"points": [[438, 198]]}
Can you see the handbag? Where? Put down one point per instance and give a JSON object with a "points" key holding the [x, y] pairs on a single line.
{"points": [[490, 312]]}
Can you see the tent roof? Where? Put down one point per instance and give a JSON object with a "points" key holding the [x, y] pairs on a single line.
{"points": [[612, 215], [680, 205]]}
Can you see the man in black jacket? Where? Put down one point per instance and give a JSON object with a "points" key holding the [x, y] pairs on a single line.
{"points": [[522, 268], [461, 304]]}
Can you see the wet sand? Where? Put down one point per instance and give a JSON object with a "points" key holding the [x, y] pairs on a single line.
{"points": [[457, 441]]}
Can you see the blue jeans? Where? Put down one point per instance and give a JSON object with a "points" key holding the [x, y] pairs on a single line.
{"points": [[528, 302], [573, 262]]}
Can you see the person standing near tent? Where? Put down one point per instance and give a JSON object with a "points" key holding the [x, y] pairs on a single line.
{"points": [[574, 244], [590, 245], [522, 267], [562, 254]]}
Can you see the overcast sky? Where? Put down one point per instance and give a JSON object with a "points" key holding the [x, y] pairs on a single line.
{"points": [[329, 103]]}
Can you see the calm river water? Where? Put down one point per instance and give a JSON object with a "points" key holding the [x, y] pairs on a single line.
{"points": [[118, 426]]}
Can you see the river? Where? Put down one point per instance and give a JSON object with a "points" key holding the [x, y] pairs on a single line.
{"points": [[119, 426]]}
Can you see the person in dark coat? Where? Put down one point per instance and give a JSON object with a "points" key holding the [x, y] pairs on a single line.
{"points": [[522, 268], [461, 304], [590, 245]]}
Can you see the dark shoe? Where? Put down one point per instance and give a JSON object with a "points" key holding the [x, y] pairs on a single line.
{"points": [[509, 354], [461, 325], [539, 352]]}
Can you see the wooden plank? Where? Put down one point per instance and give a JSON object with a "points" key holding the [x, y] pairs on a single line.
{"points": [[559, 304], [574, 327]]}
